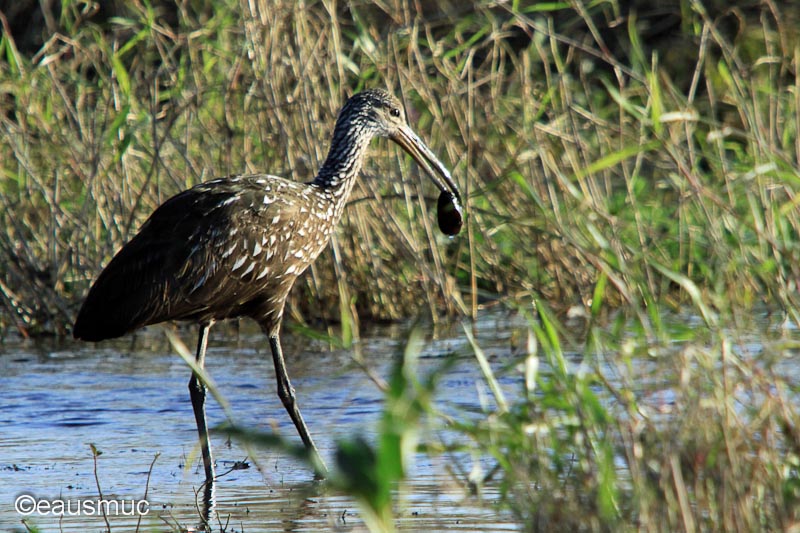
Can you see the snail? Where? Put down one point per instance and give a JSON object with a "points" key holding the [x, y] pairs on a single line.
{"points": [[450, 214]]}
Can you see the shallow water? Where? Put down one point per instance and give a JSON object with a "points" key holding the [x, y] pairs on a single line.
{"points": [[129, 399]]}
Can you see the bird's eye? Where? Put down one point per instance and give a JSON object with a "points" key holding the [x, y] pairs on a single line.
{"points": [[395, 112]]}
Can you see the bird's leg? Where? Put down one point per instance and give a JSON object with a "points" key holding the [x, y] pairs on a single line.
{"points": [[287, 396], [197, 392]]}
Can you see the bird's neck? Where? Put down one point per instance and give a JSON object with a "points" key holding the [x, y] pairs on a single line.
{"points": [[344, 161]]}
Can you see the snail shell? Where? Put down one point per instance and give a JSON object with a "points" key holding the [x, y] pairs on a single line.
{"points": [[449, 213]]}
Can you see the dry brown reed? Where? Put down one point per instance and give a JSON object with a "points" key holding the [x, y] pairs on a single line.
{"points": [[582, 163]]}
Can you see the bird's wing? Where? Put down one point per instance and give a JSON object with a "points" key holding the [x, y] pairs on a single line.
{"points": [[179, 265], [229, 263]]}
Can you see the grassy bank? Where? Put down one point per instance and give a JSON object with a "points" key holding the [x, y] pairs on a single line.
{"points": [[662, 170], [610, 171]]}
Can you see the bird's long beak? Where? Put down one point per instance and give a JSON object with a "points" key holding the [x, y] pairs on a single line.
{"points": [[414, 146]]}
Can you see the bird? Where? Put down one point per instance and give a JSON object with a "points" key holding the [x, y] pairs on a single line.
{"points": [[233, 247]]}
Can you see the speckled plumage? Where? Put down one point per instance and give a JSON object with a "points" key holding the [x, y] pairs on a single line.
{"points": [[226, 248], [233, 247]]}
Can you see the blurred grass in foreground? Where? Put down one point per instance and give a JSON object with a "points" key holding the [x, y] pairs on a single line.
{"points": [[693, 429]]}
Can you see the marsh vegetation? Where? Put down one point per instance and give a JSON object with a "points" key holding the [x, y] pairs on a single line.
{"points": [[630, 182]]}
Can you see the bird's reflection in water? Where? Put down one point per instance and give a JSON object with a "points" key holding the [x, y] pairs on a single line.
{"points": [[205, 498]]}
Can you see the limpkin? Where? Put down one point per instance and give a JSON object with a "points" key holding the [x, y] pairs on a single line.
{"points": [[233, 247]]}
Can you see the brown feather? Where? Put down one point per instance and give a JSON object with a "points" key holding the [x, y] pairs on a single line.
{"points": [[176, 268]]}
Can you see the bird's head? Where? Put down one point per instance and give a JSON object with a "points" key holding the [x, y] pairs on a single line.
{"points": [[374, 112], [377, 113]]}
